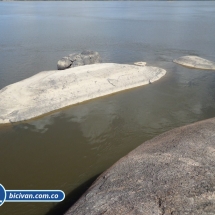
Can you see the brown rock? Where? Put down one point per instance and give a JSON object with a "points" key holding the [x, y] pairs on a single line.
{"points": [[174, 173]]}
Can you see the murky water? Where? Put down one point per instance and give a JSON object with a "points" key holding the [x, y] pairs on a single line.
{"points": [[67, 148]]}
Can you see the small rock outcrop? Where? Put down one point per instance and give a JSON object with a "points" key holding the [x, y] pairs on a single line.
{"points": [[195, 62], [141, 63], [172, 174], [64, 63], [73, 60]]}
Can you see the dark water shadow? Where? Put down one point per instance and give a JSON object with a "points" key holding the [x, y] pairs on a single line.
{"points": [[71, 198]]}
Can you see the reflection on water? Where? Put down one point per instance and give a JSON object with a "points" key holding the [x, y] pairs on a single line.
{"points": [[64, 149], [102, 115]]}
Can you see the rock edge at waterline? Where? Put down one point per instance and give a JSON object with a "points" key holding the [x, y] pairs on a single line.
{"points": [[171, 174], [195, 62], [51, 90]]}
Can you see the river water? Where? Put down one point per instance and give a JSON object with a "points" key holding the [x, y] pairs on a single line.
{"points": [[67, 148]]}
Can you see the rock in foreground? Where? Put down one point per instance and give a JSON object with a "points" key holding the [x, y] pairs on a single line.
{"points": [[51, 90], [171, 174], [195, 62], [73, 60]]}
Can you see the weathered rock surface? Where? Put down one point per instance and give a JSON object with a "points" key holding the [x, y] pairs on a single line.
{"points": [[64, 63], [52, 90], [174, 173], [73, 60], [195, 62]]}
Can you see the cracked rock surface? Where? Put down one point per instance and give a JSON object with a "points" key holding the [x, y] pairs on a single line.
{"points": [[51, 90], [171, 174], [73, 60], [195, 62]]}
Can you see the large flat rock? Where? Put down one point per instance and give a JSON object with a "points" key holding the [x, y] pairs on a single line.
{"points": [[51, 90], [195, 62], [174, 173]]}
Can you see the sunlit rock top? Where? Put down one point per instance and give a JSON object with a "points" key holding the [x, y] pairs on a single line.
{"points": [[51, 90]]}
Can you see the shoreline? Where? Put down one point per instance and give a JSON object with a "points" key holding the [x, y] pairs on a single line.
{"points": [[170, 174]]}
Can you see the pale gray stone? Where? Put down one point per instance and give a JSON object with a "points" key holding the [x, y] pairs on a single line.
{"points": [[78, 61], [64, 63], [84, 58], [88, 52], [195, 62], [72, 57]]}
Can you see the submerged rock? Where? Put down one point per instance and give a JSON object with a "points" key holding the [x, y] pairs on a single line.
{"points": [[174, 173], [195, 62], [51, 90], [84, 58]]}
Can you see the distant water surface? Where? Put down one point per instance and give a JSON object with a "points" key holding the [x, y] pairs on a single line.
{"points": [[65, 149]]}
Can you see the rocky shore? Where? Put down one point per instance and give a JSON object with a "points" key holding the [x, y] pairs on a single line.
{"points": [[84, 58], [174, 173]]}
